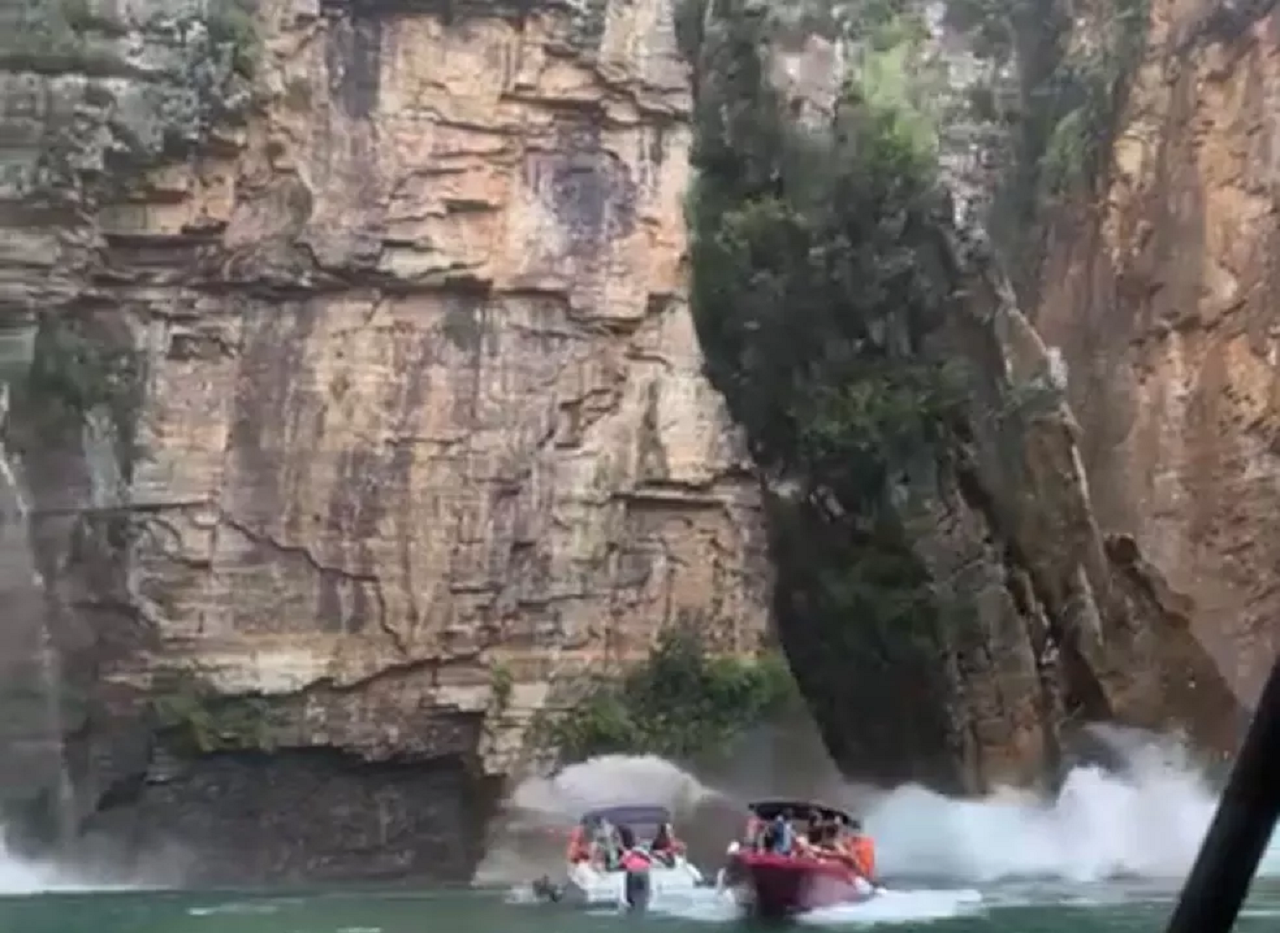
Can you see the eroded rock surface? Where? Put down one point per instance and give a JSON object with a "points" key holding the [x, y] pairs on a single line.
{"points": [[371, 413], [417, 416], [1163, 301]]}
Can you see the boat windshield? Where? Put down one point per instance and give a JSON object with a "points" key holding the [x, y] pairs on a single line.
{"points": [[644, 821]]}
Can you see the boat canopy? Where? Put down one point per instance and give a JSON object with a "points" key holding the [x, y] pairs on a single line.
{"points": [[631, 815], [797, 810]]}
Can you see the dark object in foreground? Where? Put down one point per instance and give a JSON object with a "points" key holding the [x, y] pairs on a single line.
{"points": [[545, 889], [1237, 839]]}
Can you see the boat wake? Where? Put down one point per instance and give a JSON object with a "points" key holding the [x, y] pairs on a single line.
{"points": [[889, 907]]}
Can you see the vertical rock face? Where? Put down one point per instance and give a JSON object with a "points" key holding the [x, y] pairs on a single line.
{"points": [[358, 409], [406, 404], [1164, 304], [1044, 621]]}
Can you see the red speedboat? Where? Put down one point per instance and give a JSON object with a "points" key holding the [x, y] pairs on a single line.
{"points": [[775, 885]]}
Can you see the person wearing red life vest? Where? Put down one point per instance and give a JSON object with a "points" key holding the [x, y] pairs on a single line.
{"points": [[579, 848]]}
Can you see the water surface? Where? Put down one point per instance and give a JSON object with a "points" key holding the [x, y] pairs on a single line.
{"points": [[1027, 908]]}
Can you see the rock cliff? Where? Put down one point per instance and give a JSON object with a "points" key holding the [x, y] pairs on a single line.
{"points": [[940, 556], [1162, 296], [355, 406]]}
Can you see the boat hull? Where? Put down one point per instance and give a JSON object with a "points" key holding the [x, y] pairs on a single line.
{"points": [[774, 886], [592, 887]]}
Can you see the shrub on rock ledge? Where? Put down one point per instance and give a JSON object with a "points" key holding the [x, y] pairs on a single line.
{"points": [[683, 703]]}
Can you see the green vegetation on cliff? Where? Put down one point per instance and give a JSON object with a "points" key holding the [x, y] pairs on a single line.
{"points": [[1070, 81], [821, 276], [683, 703], [232, 29], [194, 720]]}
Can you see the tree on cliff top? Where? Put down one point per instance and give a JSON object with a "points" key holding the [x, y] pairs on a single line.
{"points": [[817, 273]]}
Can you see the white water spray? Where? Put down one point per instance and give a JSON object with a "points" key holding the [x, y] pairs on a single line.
{"points": [[1147, 822], [530, 836], [611, 780], [18, 876]]}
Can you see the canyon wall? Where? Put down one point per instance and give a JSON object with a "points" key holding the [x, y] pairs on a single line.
{"points": [[1162, 295], [976, 593], [354, 408], [363, 410]]}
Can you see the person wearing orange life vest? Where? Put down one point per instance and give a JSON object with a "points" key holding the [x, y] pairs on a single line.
{"points": [[863, 850]]}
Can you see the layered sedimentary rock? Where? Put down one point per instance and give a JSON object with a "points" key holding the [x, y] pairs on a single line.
{"points": [[354, 409], [369, 408], [1163, 298]]}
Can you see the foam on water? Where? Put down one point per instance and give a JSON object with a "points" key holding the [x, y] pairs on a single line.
{"points": [[899, 907], [710, 906]]}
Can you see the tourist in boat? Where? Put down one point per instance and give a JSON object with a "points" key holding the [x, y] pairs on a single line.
{"points": [[863, 851], [665, 846], [606, 845], [822, 831], [633, 857], [579, 847], [781, 836]]}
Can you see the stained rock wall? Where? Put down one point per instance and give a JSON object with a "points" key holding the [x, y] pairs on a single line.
{"points": [[417, 427], [370, 413], [1162, 298]]}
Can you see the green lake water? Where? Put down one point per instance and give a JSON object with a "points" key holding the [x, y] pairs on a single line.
{"points": [[1099, 908]]}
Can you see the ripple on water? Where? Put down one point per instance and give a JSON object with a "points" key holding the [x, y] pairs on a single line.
{"points": [[235, 907]]}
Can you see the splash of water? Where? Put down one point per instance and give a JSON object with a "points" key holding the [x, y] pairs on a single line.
{"points": [[18, 876], [529, 837], [1146, 820], [611, 780]]}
